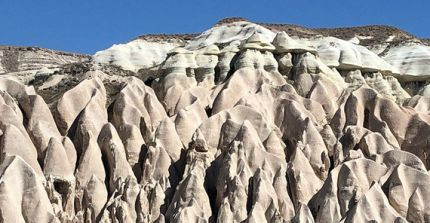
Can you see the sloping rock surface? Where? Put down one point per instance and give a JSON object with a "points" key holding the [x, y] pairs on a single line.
{"points": [[225, 126]]}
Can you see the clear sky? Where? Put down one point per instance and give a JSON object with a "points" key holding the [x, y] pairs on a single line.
{"points": [[87, 26]]}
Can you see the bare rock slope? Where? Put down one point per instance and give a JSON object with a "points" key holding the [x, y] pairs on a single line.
{"points": [[244, 122]]}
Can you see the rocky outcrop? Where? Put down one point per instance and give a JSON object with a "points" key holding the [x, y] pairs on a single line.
{"points": [[229, 126], [15, 59]]}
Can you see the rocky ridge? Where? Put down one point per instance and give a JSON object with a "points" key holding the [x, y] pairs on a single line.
{"points": [[16, 59], [237, 124]]}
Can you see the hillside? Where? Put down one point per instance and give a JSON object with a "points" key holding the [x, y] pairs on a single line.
{"points": [[242, 122]]}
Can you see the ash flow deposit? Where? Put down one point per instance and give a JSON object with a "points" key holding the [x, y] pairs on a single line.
{"points": [[243, 122]]}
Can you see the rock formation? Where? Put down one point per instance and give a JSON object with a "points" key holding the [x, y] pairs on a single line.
{"points": [[244, 122]]}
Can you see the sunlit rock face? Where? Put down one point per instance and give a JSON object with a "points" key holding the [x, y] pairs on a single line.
{"points": [[244, 122]]}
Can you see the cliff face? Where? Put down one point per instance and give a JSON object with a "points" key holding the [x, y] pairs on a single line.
{"points": [[244, 122]]}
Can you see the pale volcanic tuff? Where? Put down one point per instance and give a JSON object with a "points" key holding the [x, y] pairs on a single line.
{"points": [[244, 122]]}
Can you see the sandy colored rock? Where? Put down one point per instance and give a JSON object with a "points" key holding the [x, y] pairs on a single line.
{"points": [[74, 101], [285, 44], [244, 122], [23, 198]]}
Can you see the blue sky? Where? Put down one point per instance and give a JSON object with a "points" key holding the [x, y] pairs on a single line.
{"points": [[87, 26]]}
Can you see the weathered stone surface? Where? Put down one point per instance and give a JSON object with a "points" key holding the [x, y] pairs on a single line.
{"points": [[22, 195], [238, 124]]}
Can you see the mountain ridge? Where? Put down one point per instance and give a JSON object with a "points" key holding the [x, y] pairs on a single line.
{"points": [[302, 31]]}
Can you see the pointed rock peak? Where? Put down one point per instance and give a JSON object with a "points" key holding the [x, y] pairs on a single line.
{"points": [[258, 42], [110, 142], [113, 150], [247, 131], [283, 39], [285, 44], [7, 99], [274, 144], [229, 130], [56, 163], [23, 197], [75, 100], [417, 206], [374, 205], [303, 214], [260, 175], [7, 162], [108, 132], [15, 141], [16, 89], [95, 196], [298, 156], [90, 162], [256, 38], [15, 165]]}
